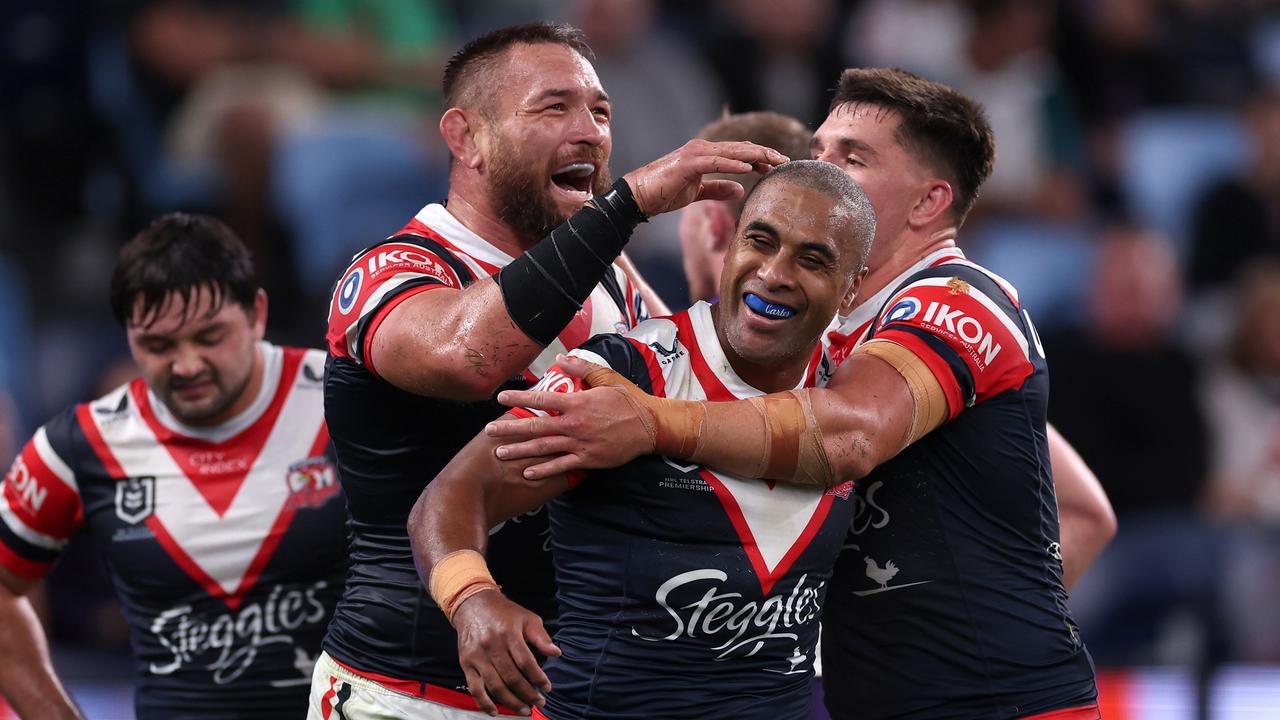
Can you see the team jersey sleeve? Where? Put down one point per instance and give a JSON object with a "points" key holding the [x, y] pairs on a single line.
{"points": [[965, 329], [378, 280], [40, 507]]}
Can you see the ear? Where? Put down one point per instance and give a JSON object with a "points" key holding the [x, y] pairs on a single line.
{"points": [[933, 205], [850, 299], [462, 133], [259, 320], [723, 226]]}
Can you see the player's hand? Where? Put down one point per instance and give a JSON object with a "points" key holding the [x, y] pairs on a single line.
{"points": [[494, 635], [596, 428], [675, 179]]}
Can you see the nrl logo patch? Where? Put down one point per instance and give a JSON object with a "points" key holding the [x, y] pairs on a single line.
{"points": [[135, 499]]}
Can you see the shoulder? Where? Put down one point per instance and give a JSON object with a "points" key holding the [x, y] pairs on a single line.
{"points": [[381, 277]]}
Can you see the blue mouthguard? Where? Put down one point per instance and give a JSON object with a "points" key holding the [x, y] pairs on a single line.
{"points": [[760, 305]]}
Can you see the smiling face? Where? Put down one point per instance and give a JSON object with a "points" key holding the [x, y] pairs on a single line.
{"points": [[786, 273], [861, 139], [199, 360], [547, 148]]}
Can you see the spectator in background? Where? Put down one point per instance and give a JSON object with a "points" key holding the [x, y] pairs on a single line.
{"points": [[1149, 447], [780, 61], [996, 51], [1242, 395], [707, 226], [1120, 59], [1238, 218], [229, 79], [1124, 392], [664, 92]]}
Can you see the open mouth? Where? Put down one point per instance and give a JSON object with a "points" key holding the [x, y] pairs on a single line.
{"points": [[575, 178], [764, 308]]}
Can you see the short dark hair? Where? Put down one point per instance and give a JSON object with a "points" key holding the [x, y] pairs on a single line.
{"points": [[774, 130], [463, 71], [940, 126], [830, 180], [176, 256]]}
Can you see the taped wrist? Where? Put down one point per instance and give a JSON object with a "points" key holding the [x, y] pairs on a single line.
{"points": [[458, 576], [545, 286], [775, 437]]}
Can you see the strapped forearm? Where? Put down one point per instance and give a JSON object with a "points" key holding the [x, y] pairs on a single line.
{"points": [[774, 437], [780, 437], [544, 287]]}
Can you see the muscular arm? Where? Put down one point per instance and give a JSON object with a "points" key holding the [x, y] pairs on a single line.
{"points": [[878, 402], [1085, 518], [463, 344], [27, 678], [474, 492], [455, 344]]}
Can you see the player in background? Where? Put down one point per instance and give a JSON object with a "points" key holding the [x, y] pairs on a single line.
{"points": [[950, 598], [685, 593], [206, 486], [708, 226], [470, 297]]}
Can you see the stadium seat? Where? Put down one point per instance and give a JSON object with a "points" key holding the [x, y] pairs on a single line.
{"points": [[1168, 158]]}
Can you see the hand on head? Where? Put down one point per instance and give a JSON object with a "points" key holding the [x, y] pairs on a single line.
{"points": [[676, 179]]}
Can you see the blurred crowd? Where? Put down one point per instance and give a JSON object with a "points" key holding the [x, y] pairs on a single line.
{"points": [[1135, 202]]}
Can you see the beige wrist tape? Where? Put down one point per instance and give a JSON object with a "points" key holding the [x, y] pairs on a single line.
{"points": [[774, 437], [930, 408], [458, 576]]}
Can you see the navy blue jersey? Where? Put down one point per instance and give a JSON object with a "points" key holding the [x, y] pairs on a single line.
{"points": [[948, 601], [224, 545], [390, 443], [685, 592]]}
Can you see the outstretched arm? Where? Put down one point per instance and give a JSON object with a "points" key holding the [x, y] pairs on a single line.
{"points": [[449, 531], [882, 399], [1085, 518], [463, 343], [27, 678]]}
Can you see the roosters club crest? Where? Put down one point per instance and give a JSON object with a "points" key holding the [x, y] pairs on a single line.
{"points": [[135, 499], [311, 482]]}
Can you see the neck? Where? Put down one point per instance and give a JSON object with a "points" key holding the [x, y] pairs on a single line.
{"points": [[474, 212], [910, 251]]}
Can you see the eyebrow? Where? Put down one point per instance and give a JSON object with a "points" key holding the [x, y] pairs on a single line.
{"points": [[820, 249], [147, 336], [601, 95], [762, 226], [846, 144]]}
